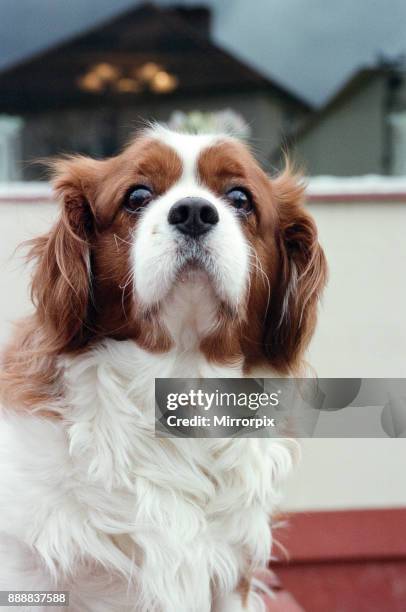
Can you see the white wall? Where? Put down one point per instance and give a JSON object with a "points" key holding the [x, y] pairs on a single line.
{"points": [[362, 327], [18, 222], [361, 333]]}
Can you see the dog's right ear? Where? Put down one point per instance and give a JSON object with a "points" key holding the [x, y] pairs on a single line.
{"points": [[62, 276], [292, 313]]}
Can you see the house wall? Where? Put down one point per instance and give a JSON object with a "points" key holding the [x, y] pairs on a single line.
{"points": [[397, 131], [361, 332], [10, 148], [348, 140], [102, 131], [265, 116]]}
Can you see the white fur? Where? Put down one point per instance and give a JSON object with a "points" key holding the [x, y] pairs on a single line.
{"points": [[95, 504], [168, 515]]}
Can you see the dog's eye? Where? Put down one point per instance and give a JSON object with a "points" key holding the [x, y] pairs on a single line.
{"points": [[240, 199], [137, 197]]}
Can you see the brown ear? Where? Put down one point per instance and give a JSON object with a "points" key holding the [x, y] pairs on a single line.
{"points": [[292, 313], [61, 281]]}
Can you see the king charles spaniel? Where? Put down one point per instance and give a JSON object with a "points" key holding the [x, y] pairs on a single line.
{"points": [[179, 257]]}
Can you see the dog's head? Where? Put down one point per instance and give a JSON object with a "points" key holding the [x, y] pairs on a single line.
{"points": [[170, 212]]}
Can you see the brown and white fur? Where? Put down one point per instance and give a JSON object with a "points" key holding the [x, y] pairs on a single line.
{"points": [[91, 501]]}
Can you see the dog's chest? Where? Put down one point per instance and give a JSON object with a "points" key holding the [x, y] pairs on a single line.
{"points": [[110, 397], [116, 484]]}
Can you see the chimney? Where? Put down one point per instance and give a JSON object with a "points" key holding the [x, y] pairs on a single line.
{"points": [[198, 18]]}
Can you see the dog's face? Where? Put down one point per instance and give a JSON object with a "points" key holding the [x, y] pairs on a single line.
{"points": [[175, 210]]}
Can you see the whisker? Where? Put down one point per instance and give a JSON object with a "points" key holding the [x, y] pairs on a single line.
{"points": [[130, 279], [116, 237], [256, 264]]}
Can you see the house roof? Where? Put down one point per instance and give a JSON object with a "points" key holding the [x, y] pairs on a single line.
{"points": [[147, 34]]}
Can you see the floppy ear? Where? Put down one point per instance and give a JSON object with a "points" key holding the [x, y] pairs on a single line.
{"points": [[61, 281], [292, 313]]}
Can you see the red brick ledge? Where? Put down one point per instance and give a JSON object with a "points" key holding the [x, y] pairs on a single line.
{"points": [[339, 535]]}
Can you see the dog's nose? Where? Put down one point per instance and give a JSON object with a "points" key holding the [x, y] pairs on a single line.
{"points": [[193, 216]]}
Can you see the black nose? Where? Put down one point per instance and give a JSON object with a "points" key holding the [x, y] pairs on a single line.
{"points": [[193, 216]]}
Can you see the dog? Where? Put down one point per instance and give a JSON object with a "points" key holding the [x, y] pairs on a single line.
{"points": [[179, 257]]}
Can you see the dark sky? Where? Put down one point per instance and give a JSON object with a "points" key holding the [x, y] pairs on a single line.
{"points": [[310, 46]]}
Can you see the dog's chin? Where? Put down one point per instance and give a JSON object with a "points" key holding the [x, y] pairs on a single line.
{"points": [[193, 267], [198, 284], [191, 276], [193, 272]]}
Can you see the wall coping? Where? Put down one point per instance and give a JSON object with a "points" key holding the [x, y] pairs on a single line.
{"points": [[320, 189]]}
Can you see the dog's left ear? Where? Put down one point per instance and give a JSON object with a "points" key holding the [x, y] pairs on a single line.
{"points": [[292, 312], [61, 281]]}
